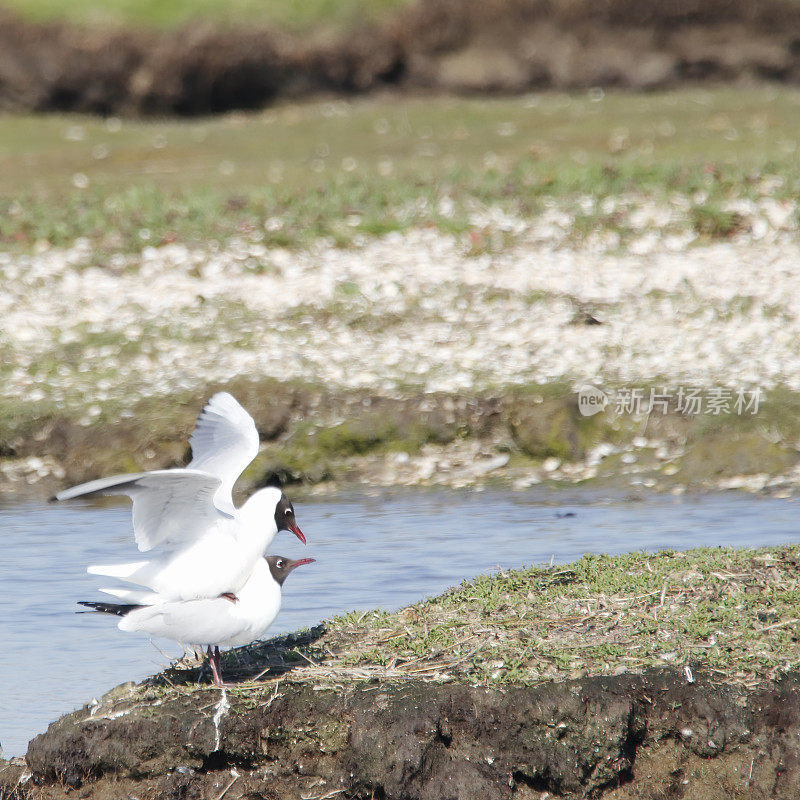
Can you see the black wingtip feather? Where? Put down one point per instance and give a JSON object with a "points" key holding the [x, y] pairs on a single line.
{"points": [[118, 609]]}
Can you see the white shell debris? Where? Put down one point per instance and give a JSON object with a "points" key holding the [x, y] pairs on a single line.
{"points": [[405, 309]]}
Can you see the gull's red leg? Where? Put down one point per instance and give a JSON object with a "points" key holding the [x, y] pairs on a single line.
{"points": [[219, 664], [213, 660]]}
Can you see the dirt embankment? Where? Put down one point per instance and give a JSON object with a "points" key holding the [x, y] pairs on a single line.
{"points": [[647, 736], [315, 437], [450, 45]]}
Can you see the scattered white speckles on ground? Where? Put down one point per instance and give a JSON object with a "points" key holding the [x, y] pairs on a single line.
{"points": [[220, 712], [405, 309]]}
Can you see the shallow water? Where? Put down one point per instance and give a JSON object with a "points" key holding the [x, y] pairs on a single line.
{"points": [[387, 550]]}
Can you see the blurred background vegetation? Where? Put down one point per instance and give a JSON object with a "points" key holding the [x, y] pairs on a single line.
{"points": [[131, 125], [342, 170], [157, 14], [476, 122]]}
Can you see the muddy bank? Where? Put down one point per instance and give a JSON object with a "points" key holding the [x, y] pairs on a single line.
{"points": [[685, 688], [654, 735], [323, 440], [440, 45]]}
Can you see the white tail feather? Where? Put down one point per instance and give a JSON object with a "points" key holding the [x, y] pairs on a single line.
{"points": [[116, 570], [138, 596]]}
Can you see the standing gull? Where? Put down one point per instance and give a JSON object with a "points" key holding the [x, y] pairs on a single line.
{"points": [[207, 546], [215, 621]]}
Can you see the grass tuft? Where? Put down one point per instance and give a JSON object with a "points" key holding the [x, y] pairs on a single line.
{"points": [[732, 612]]}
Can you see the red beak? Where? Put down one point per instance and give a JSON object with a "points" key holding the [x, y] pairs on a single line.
{"points": [[297, 532], [300, 562]]}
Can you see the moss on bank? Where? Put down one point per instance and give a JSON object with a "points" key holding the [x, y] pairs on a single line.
{"points": [[312, 435]]}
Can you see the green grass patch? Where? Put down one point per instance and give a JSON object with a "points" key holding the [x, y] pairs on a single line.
{"points": [[341, 170], [734, 613], [155, 14]]}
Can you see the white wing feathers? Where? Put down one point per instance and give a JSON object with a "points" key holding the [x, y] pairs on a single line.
{"points": [[224, 442], [101, 486], [188, 512], [198, 622], [170, 506], [174, 506]]}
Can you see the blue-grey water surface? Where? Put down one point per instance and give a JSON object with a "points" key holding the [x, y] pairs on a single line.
{"points": [[387, 550]]}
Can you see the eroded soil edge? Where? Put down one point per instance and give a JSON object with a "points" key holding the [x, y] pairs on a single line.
{"points": [[652, 735], [510, 46]]}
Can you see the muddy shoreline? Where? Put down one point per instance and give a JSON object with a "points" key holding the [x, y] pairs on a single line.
{"points": [[628, 736], [318, 441], [436, 45], [348, 709]]}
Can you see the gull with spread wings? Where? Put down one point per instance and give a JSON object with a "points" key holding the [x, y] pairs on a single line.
{"points": [[206, 546]]}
